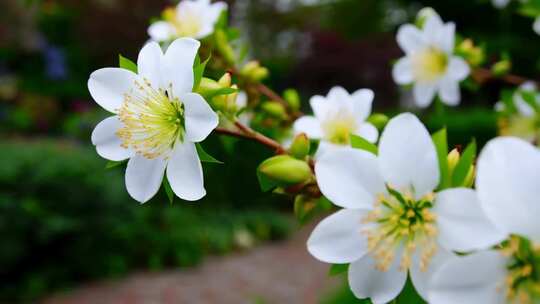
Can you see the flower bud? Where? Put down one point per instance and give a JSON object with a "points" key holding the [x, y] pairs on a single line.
{"points": [[292, 98], [378, 120], [207, 86], [502, 67], [453, 159], [300, 146], [286, 169], [474, 55], [275, 109], [225, 81], [254, 71]]}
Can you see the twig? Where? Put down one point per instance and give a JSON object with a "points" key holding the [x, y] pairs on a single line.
{"points": [[248, 133], [483, 75]]}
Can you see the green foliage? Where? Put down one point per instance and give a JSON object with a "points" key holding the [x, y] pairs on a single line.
{"points": [[64, 218], [204, 156], [198, 71], [441, 146], [358, 142], [463, 167], [336, 269], [127, 64]]}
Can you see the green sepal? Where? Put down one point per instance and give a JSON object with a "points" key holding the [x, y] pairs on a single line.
{"points": [[465, 162], [267, 184], [336, 269], [441, 146], [127, 64], [219, 92], [204, 156], [358, 142], [168, 190], [113, 164], [198, 71]]}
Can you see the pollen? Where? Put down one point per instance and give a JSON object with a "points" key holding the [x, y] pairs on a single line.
{"points": [[401, 226], [429, 64], [152, 119]]}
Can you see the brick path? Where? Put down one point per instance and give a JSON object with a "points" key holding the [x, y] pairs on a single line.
{"points": [[277, 273]]}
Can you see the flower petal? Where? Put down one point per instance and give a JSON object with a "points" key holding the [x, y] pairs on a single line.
{"points": [[161, 31], [458, 69], [177, 67], [449, 90], [407, 156], [463, 225], [508, 185], [108, 86], [338, 239], [410, 38], [447, 37], [362, 103], [472, 279], [320, 106], [144, 177], [366, 281], [184, 172], [200, 118], [424, 94], [108, 144], [338, 96], [402, 72], [309, 125], [349, 177], [536, 25], [368, 131], [421, 277], [149, 63]]}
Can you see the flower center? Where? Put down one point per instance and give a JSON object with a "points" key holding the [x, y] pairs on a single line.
{"points": [[429, 64], [523, 280], [402, 224], [186, 25], [153, 120], [338, 126]]}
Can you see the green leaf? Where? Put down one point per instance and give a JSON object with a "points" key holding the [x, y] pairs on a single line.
{"points": [[336, 269], [530, 99], [127, 64], [441, 146], [464, 164], [358, 142], [198, 72], [409, 295], [204, 156], [112, 164], [168, 190]]}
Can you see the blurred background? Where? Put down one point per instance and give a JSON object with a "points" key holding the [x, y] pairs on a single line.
{"points": [[66, 222]]}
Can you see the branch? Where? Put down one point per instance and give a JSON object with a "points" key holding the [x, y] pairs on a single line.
{"points": [[246, 132], [482, 75]]}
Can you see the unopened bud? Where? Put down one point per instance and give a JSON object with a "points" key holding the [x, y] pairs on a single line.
{"points": [[286, 169], [292, 98], [474, 55], [300, 146], [207, 86], [226, 80], [501, 68], [453, 159], [275, 109], [254, 71], [378, 120]]}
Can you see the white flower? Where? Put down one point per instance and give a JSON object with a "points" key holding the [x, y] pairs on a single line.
{"points": [[500, 3], [536, 25], [393, 222], [157, 120], [190, 18], [337, 116], [429, 62], [508, 186]]}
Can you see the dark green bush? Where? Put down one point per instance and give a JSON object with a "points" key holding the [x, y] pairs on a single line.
{"points": [[65, 219]]}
